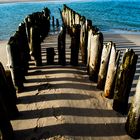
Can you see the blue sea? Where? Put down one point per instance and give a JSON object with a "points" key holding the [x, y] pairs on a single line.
{"points": [[107, 15]]}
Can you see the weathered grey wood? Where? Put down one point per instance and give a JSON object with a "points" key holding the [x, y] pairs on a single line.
{"points": [[88, 48], [75, 42], [73, 18], [77, 18], [111, 73], [70, 17], [95, 55], [104, 65], [132, 125], [27, 21], [123, 81], [83, 40]]}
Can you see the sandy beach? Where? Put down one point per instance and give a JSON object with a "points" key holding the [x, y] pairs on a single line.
{"points": [[60, 103]]}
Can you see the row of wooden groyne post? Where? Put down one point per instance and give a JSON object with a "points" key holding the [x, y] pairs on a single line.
{"points": [[22, 47], [101, 58], [114, 74]]}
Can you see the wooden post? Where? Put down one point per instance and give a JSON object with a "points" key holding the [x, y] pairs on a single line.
{"points": [[57, 23], [104, 65], [28, 24], [10, 85], [73, 18], [77, 18], [70, 18], [61, 46], [89, 47], [132, 125], [83, 46], [7, 96], [64, 15], [5, 125], [123, 82], [75, 42], [53, 21], [15, 64], [88, 26], [46, 21], [95, 55], [35, 45], [24, 47], [111, 73], [50, 55]]}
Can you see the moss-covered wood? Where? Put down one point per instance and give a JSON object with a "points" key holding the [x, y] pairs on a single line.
{"points": [[132, 125], [95, 55], [104, 65], [123, 81], [111, 73]]}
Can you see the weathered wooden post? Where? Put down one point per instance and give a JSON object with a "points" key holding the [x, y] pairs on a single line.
{"points": [[88, 26], [123, 81], [24, 47], [73, 18], [75, 42], [7, 96], [28, 24], [88, 48], [111, 73], [57, 23], [14, 63], [53, 21], [46, 12], [104, 65], [70, 18], [67, 16], [61, 46], [83, 46], [10, 85], [95, 55], [50, 55], [77, 18], [35, 45], [5, 125], [64, 15], [132, 125]]}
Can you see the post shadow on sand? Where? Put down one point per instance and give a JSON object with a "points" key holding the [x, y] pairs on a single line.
{"points": [[52, 97], [67, 111], [49, 71], [69, 129], [68, 85]]}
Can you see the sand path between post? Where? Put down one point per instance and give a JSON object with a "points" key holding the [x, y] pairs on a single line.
{"points": [[61, 103]]}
